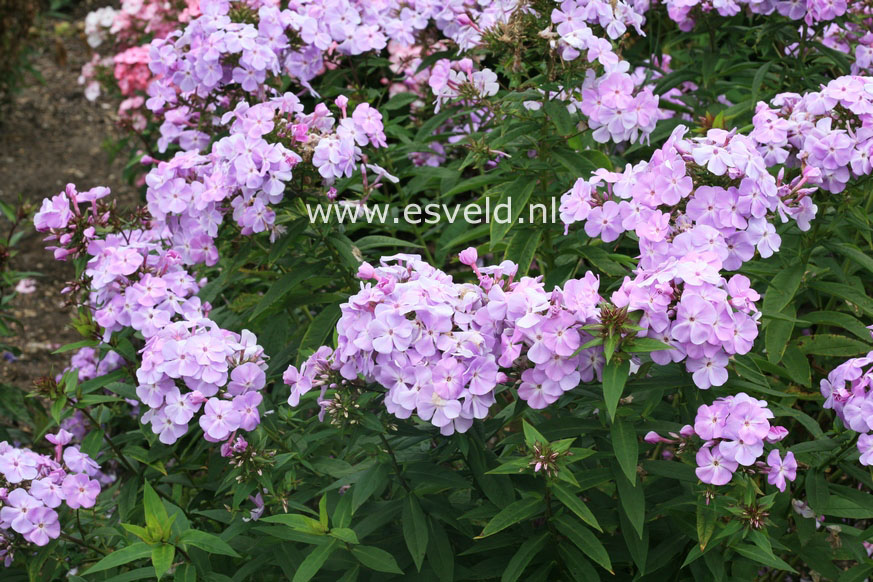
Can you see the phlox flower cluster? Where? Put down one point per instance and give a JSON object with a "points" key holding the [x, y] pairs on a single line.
{"points": [[734, 430], [685, 12], [34, 486], [134, 19], [451, 79], [135, 279], [246, 172], [848, 390], [853, 37], [620, 106], [688, 233], [575, 37], [438, 346], [131, 70], [828, 131], [406, 64], [219, 370], [124, 31], [246, 44], [849, 35], [90, 365]]}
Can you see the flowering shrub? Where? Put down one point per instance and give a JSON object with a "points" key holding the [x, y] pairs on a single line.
{"points": [[622, 244]]}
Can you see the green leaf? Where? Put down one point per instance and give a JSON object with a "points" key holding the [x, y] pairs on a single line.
{"points": [[474, 183], [556, 110], [155, 513], [854, 298], [576, 164], [824, 344], [783, 287], [400, 100], [762, 557], [320, 328], [778, 333], [639, 345], [297, 522], [758, 80], [531, 435], [841, 321], [322, 512], [797, 365], [162, 559], [603, 261], [378, 241], [626, 448], [283, 286], [375, 478], [706, 518], [440, 555], [314, 560], [139, 531], [58, 407], [376, 559], [839, 506], [633, 502], [76, 346], [583, 539], [575, 563], [857, 573], [854, 254], [817, 490], [615, 375], [524, 555], [415, 530], [522, 248], [207, 542], [345, 249], [511, 467], [344, 534], [135, 551], [572, 502], [512, 514], [185, 573], [513, 198]]}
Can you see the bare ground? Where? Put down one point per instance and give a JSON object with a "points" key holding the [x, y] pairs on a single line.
{"points": [[50, 135]]}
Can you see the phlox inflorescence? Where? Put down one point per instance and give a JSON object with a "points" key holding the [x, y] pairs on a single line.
{"points": [[734, 431], [35, 486]]}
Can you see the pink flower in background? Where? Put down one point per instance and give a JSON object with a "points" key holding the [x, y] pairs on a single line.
{"points": [[26, 286]]}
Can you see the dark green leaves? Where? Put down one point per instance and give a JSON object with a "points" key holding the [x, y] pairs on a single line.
{"points": [[523, 557], [162, 558], [582, 538], [572, 502], [513, 200], [615, 375], [314, 560], [135, 551], [512, 514], [283, 286], [207, 542], [626, 448], [415, 530], [376, 559]]}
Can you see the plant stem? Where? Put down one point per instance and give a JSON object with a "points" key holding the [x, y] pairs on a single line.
{"points": [[82, 543], [395, 463]]}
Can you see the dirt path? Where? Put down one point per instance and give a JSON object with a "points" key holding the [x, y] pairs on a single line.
{"points": [[51, 135]]}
